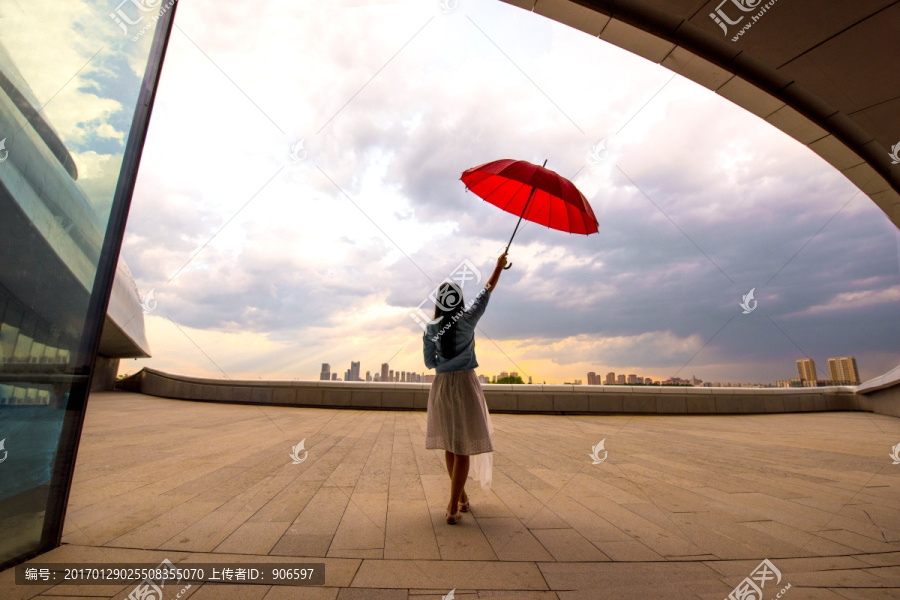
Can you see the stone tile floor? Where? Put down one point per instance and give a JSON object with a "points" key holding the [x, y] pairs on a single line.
{"points": [[683, 507]]}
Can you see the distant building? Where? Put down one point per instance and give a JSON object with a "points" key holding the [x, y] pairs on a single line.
{"points": [[354, 372], [429, 378], [369, 376], [678, 381], [592, 378], [789, 383], [391, 375], [325, 375], [806, 367], [648, 381], [503, 374], [620, 379], [384, 371], [843, 370], [610, 378], [334, 376], [376, 377], [632, 378], [529, 379]]}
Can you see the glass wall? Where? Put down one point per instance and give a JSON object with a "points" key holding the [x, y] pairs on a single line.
{"points": [[76, 82]]}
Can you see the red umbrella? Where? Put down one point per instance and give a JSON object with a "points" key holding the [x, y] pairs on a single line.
{"points": [[534, 193]]}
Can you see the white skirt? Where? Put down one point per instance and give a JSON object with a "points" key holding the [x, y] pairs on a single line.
{"points": [[458, 421]]}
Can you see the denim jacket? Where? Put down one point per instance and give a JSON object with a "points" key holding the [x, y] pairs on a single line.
{"points": [[465, 338]]}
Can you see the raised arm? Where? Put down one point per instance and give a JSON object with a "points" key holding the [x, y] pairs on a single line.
{"points": [[430, 349], [495, 277]]}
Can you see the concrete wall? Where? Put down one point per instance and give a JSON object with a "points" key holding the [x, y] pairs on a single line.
{"points": [[882, 394], [105, 371], [885, 402], [588, 399]]}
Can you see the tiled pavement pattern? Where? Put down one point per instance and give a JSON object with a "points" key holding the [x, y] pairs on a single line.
{"points": [[683, 507]]}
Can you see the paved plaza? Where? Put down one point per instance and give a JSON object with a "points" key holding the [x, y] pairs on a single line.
{"points": [[682, 506]]}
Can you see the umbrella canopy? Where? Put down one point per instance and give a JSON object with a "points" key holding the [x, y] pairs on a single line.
{"points": [[535, 193]]}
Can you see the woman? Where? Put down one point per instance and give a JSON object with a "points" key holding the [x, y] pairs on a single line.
{"points": [[458, 421]]}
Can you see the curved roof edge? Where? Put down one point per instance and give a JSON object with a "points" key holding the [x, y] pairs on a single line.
{"points": [[123, 334], [889, 379], [765, 75]]}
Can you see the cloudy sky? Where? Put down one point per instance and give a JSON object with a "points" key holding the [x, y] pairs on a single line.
{"points": [[266, 267]]}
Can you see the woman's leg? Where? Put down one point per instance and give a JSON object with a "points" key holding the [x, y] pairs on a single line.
{"points": [[457, 481], [450, 457]]}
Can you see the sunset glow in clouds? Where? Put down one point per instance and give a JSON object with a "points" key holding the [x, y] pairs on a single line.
{"points": [[301, 263]]}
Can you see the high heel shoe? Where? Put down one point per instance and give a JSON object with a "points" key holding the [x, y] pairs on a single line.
{"points": [[453, 519], [464, 506]]}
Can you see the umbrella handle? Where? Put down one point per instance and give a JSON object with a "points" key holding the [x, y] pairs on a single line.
{"points": [[507, 267]]}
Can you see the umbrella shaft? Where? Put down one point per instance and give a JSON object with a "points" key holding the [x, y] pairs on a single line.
{"points": [[520, 219], [527, 202]]}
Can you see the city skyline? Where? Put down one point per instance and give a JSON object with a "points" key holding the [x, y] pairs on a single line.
{"points": [[843, 371]]}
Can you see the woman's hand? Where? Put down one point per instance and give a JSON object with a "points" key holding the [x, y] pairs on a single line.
{"points": [[495, 277]]}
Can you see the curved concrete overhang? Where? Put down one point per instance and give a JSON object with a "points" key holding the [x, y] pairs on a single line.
{"points": [[43, 209], [825, 73], [123, 334]]}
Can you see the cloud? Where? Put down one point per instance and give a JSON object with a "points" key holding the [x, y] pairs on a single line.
{"points": [[282, 266]]}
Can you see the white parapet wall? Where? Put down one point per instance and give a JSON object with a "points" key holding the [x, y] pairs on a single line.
{"points": [[584, 399]]}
